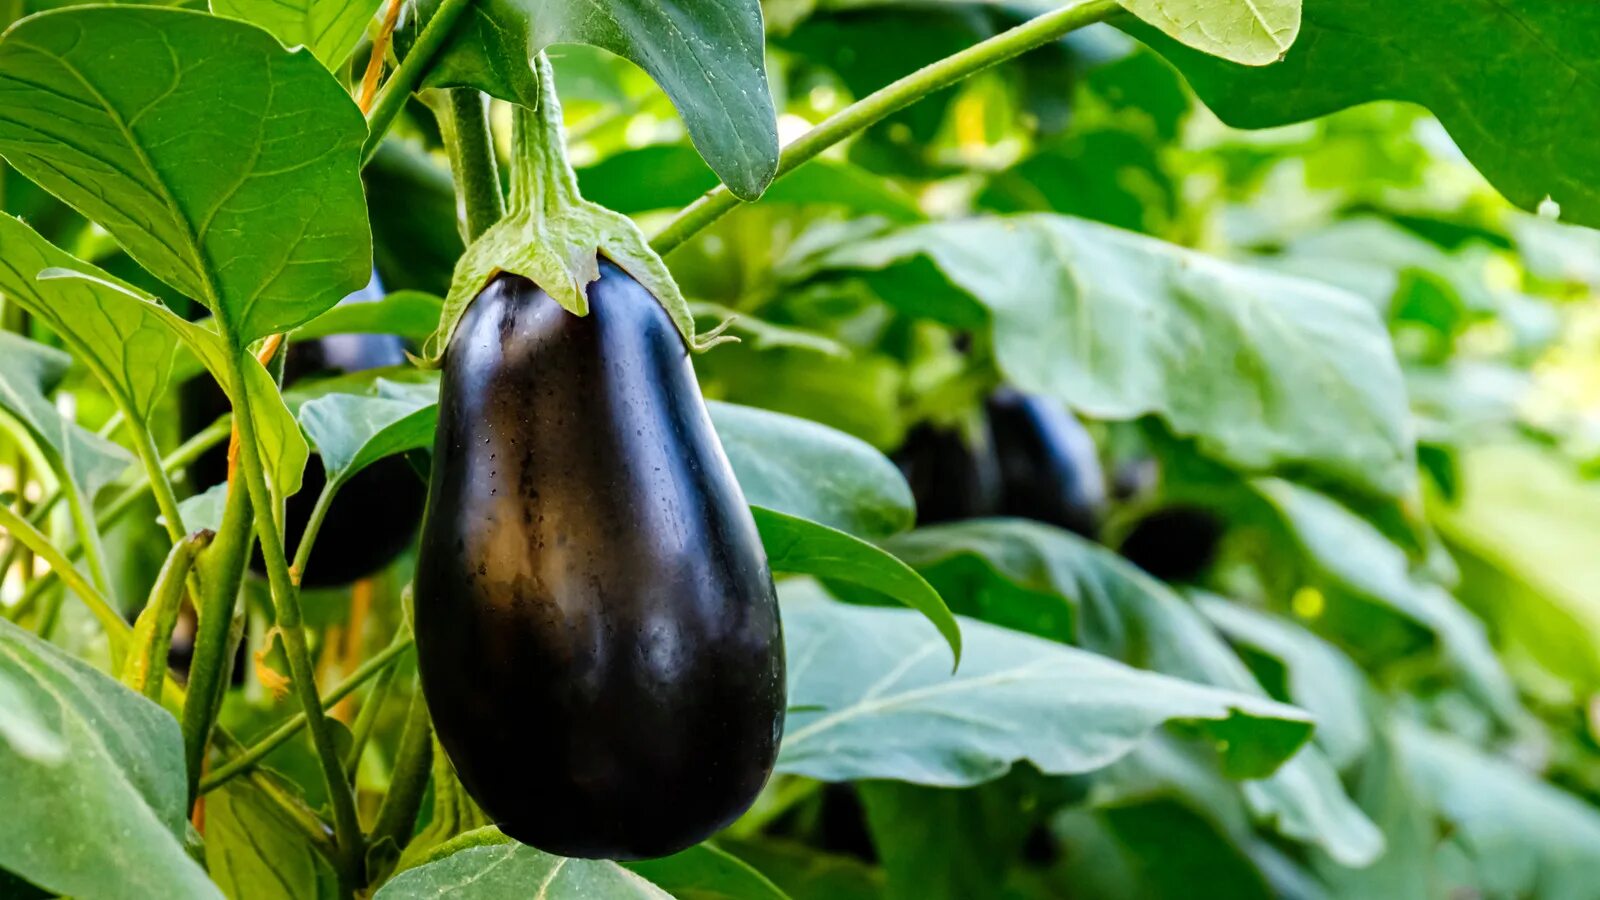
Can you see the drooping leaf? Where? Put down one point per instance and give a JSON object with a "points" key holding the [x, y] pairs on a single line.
{"points": [[352, 431], [27, 371], [1353, 558], [705, 872], [706, 54], [121, 339], [800, 468], [1312, 673], [330, 29], [259, 214], [514, 871], [253, 854], [802, 547], [107, 817], [1053, 583], [1487, 69], [871, 696], [1120, 326]]}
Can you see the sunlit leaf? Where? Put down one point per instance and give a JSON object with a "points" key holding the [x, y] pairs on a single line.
{"points": [[330, 29], [254, 854]]}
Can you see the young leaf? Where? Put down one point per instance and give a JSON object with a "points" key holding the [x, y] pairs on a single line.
{"points": [[259, 214], [1122, 326], [1484, 67], [121, 339], [802, 547], [27, 371], [253, 853], [330, 29], [800, 468], [1022, 574], [107, 817], [870, 696], [512, 871], [708, 55]]}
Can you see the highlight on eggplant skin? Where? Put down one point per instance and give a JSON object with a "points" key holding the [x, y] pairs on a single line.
{"points": [[597, 627]]}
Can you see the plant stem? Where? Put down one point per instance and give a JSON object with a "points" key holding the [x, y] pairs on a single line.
{"points": [[873, 108], [256, 752], [464, 120], [398, 813], [366, 719], [286, 599], [117, 630], [209, 668], [308, 536], [88, 534], [409, 75], [146, 668]]}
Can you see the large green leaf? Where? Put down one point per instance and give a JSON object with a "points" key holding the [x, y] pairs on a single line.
{"points": [[1055, 584], [1521, 837], [1121, 326], [222, 163], [353, 431], [1524, 531], [330, 29], [513, 871], [28, 371], [1309, 672], [1513, 83], [23, 729], [800, 468], [107, 817], [871, 696], [706, 54], [122, 340], [1351, 558], [252, 853]]}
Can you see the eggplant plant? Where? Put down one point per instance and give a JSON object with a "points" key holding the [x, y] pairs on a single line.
{"points": [[1087, 448]]}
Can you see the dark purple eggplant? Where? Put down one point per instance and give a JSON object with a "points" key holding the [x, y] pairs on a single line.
{"points": [[1175, 543], [1049, 469], [375, 515], [952, 478], [597, 628]]}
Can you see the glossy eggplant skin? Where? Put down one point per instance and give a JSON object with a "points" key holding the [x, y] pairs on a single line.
{"points": [[375, 515], [951, 478], [597, 628], [1049, 469]]}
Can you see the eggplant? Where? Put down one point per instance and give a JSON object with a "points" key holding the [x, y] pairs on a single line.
{"points": [[1049, 469], [951, 477], [1175, 543], [375, 515], [597, 628]]}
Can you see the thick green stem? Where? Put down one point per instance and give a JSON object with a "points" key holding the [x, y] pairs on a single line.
{"points": [[873, 108], [223, 573], [146, 668], [286, 600], [117, 630], [258, 751], [409, 75], [464, 121], [412, 761]]}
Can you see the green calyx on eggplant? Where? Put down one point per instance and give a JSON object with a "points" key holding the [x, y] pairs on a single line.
{"points": [[597, 628], [1031, 459], [375, 515]]}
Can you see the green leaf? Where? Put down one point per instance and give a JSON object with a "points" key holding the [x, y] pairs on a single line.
{"points": [[945, 844], [410, 314], [704, 872], [707, 55], [27, 372], [800, 468], [1353, 558], [1314, 675], [808, 874], [1121, 326], [1522, 837], [1053, 583], [871, 697], [517, 872], [259, 214], [1513, 117], [254, 854], [802, 547], [23, 729], [330, 29], [1524, 534], [1251, 32], [353, 431], [122, 340], [107, 817]]}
